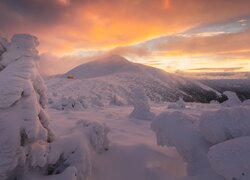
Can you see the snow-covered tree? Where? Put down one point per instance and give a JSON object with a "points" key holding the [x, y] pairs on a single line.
{"points": [[75, 149], [216, 149], [23, 118], [225, 124], [28, 148], [141, 105], [175, 129]]}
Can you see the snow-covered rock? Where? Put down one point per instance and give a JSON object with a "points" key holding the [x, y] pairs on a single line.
{"points": [[141, 106], [231, 158], [225, 124], [23, 118], [176, 129], [233, 99]]}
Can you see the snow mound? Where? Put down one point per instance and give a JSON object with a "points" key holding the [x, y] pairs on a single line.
{"points": [[97, 134], [246, 102], [176, 129], [24, 120], [233, 99], [231, 158], [225, 124], [76, 148], [141, 106], [180, 104]]}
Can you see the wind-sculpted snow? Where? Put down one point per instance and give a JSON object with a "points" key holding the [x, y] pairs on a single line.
{"points": [[22, 101], [28, 147], [246, 102], [233, 99], [76, 148], [141, 106], [218, 148], [225, 124], [176, 129], [231, 158]]}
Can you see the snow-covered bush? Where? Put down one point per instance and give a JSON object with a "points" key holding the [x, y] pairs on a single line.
{"points": [[231, 158], [180, 104], [175, 129], [225, 124], [68, 104], [23, 119], [28, 148], [141, 105], [233, 99], [76, 148], [117, 100]]}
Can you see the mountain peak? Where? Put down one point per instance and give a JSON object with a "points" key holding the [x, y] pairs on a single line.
{"points": [[113, 58], [106, 65]]}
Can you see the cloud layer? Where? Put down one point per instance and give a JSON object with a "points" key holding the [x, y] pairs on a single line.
{"points": [[155, 30]]}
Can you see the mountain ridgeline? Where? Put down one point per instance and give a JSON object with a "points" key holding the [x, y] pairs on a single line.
{"points": [[158, 85]]}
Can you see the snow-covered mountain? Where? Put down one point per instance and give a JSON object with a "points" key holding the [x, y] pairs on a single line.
{"points": [[240, 86], [110, 80]]}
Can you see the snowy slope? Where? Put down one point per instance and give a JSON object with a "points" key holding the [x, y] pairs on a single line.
{"points": [[103, 81]]}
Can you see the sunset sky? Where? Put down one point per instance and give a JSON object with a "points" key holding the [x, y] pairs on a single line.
{"points": [[175, 35]]}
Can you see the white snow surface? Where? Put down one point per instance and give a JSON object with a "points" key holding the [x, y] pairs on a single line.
{"points": [[225, 124], [231, 158], [233, 99]]}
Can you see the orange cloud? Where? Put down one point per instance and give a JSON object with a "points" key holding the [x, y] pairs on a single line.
{"points": [[68, 25]]}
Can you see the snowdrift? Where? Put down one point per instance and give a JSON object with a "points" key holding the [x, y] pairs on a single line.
{"points": [[218, 148]]}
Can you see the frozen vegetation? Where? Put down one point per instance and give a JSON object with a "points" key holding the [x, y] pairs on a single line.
{"points": [[29, 149], [218, 148], [141, 106], [89, 134]]}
